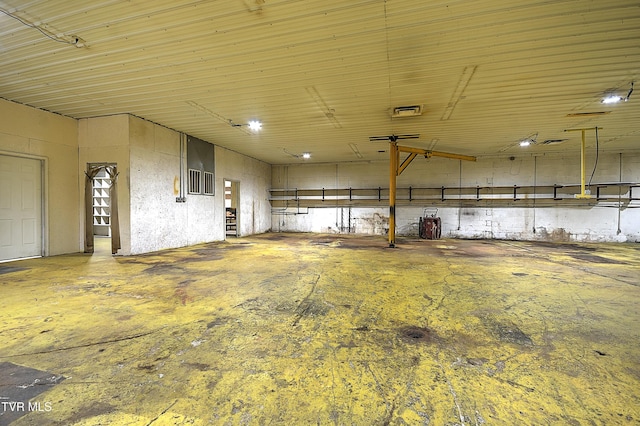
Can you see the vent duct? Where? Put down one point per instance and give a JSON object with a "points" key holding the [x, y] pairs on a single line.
{"points": [[407, 111], [553, 141]]}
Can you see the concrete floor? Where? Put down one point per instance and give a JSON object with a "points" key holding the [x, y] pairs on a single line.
{"points": [[301, 329]]}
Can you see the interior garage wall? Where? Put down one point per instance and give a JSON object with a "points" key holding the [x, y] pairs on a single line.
{"points": [[149, 157], [254, 178], [34, 133], [528, 220], [106, 140], [157, 220]]}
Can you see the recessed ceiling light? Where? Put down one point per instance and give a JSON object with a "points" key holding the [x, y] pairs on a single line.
{"points": [[306, 155], [612, 99], [255, 125], [529, 140]]}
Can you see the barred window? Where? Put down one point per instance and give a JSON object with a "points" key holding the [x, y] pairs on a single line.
{"points": [[200, 163], [208, 183], [194, 181]]}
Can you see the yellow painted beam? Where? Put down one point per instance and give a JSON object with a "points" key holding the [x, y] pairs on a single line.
{"points": [[395, 169], [406, 162], [452, 156], [583, 170], [393, 174], [429, 154], [412, 150]]}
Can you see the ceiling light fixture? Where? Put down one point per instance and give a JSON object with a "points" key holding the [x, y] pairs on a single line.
{"points": [[614, 99], [529, 140], [304, 155], [217, 116], [255, 125]]}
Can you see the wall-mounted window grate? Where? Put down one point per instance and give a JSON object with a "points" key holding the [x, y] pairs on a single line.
{"points": [[200, 162], [208, 183], [195, 181]]}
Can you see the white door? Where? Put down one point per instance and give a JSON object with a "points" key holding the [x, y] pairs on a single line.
{"points": [[20, 207]]}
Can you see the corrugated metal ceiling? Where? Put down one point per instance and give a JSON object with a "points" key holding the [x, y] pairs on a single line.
{"points": [[324, 75]]}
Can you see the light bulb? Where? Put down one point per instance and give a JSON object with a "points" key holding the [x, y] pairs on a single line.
{"points": [[255, 125], [612, 99]]}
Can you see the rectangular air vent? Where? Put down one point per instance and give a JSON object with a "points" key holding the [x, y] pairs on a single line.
{"points": [[553, 141], [588, 114], [407, 111]]}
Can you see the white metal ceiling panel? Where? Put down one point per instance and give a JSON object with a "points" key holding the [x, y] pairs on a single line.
{"points": [[322, 75]]}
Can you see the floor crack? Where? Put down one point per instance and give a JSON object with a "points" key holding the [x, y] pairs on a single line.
{"points": [[453, 393], [86, 345], [163, 412], [304, 305]]}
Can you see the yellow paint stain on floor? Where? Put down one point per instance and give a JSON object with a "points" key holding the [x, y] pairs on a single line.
{"points": [[298, 329]]}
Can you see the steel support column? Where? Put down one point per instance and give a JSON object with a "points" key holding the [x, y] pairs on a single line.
{"points": [[393, 174], [395, 169], [583, 167]]}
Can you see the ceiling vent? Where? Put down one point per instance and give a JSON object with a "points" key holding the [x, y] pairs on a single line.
{"points": [[554, 141], [407, 111], [588, 114]]}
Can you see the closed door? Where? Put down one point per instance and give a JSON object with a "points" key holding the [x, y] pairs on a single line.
{"points": [[20, 207]]}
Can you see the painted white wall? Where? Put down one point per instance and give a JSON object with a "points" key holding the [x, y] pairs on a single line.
{"points": [[34, 133], [466, 218], [148, 158], [106, 140], [254, 179], [159, 222]]}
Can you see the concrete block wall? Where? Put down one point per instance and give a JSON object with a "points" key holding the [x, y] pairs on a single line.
{"points": [[594, 221], [254, 180], [159, 222]]}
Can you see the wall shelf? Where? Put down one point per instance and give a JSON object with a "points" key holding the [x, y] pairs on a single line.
{"points": [[101, 205], [515, 195]]}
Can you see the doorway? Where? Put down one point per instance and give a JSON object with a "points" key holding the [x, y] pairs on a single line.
{"points": [[101, 211], [231, 204], [21, 207], [101, 208]]}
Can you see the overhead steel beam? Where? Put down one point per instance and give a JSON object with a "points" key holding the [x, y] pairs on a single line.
{"points": [[396, 169]]}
